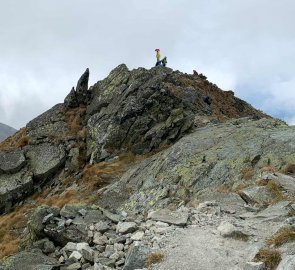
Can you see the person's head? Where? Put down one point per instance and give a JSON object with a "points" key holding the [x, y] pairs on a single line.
{"points": [[157, 50]]}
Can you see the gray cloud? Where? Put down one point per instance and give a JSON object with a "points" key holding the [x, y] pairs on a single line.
{"points": [[247, 46]]}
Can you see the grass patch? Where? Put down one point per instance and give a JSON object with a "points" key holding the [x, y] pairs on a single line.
{"points": [[247, 173], [100, 174], [154, 257], [70, 196], [269, 168], [276, 191], [241, 237], [289, 169], [281, 237], [12, 227], [270, 257], [74, 119], [222, 189], [17, 140]]}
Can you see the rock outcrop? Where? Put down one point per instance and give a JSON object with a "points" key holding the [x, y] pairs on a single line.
{"points": [[142, 110], [221, 155]]}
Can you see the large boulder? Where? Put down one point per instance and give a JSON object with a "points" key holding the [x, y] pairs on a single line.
{"points": [[12, 162], [47, 125], [45, 159], [14, 188]]}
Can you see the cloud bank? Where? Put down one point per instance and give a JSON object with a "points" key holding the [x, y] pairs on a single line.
{"points": [[246, 46]]}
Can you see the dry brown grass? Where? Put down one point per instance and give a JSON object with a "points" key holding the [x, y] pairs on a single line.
{"points": [[247, 173], [70, 196], [270, 257], [289, 169], [11, 229], [281, 237], [98, 175], [275, 190], [222, 189], [154, 257], [240, 187], [269, 168], [261, 182], [81, 134], [17, 140], [74, 119]]}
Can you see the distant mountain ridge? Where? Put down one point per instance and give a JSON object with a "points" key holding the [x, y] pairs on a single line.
{"points": [[5, 131]]}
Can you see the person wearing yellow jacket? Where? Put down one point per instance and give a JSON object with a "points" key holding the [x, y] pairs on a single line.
{"points": [[158, 56]]}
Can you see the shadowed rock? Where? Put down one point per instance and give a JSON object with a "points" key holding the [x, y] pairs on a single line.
{"points": [[81, 94], [82, 84]]}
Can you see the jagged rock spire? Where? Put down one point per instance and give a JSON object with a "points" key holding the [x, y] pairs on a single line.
{"points": [[82, 84], [78, 96]]}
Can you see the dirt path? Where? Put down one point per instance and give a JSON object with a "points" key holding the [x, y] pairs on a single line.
{"points": [[204, 249]]}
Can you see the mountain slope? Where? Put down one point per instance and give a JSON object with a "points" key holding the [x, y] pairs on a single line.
{"points": [[135, 142], [5, 131]]}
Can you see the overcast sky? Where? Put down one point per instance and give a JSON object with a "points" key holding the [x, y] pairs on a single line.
{"points": [[247, 46]]}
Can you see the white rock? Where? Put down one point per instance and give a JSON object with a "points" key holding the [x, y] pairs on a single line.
{"points": [[61, 259], [115, 256], [70, 246], [82, 245], [226, 229], [137, 236], [76, 254], [126, 227], [100, 239], [118, 247], [254, 266], [90, 234], [161, 224]]}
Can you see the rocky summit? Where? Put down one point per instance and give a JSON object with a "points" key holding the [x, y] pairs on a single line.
{"points": [[148, 169]]}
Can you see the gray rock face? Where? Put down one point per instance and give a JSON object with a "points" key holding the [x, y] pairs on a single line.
{"points": [[82, 84], [254, 266], [12, 162], [49, 124], [141, 110], [30, 261], [287, 263], [136, 257], [208, 158], [13, 188], [170, 217], [45, 159], [255, 194]]}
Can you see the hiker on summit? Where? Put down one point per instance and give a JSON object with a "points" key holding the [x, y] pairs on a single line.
{"points": [[158, 56], [159, 62]]}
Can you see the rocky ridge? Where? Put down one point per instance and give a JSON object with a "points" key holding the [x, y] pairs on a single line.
{"points": [[145, 160]]}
